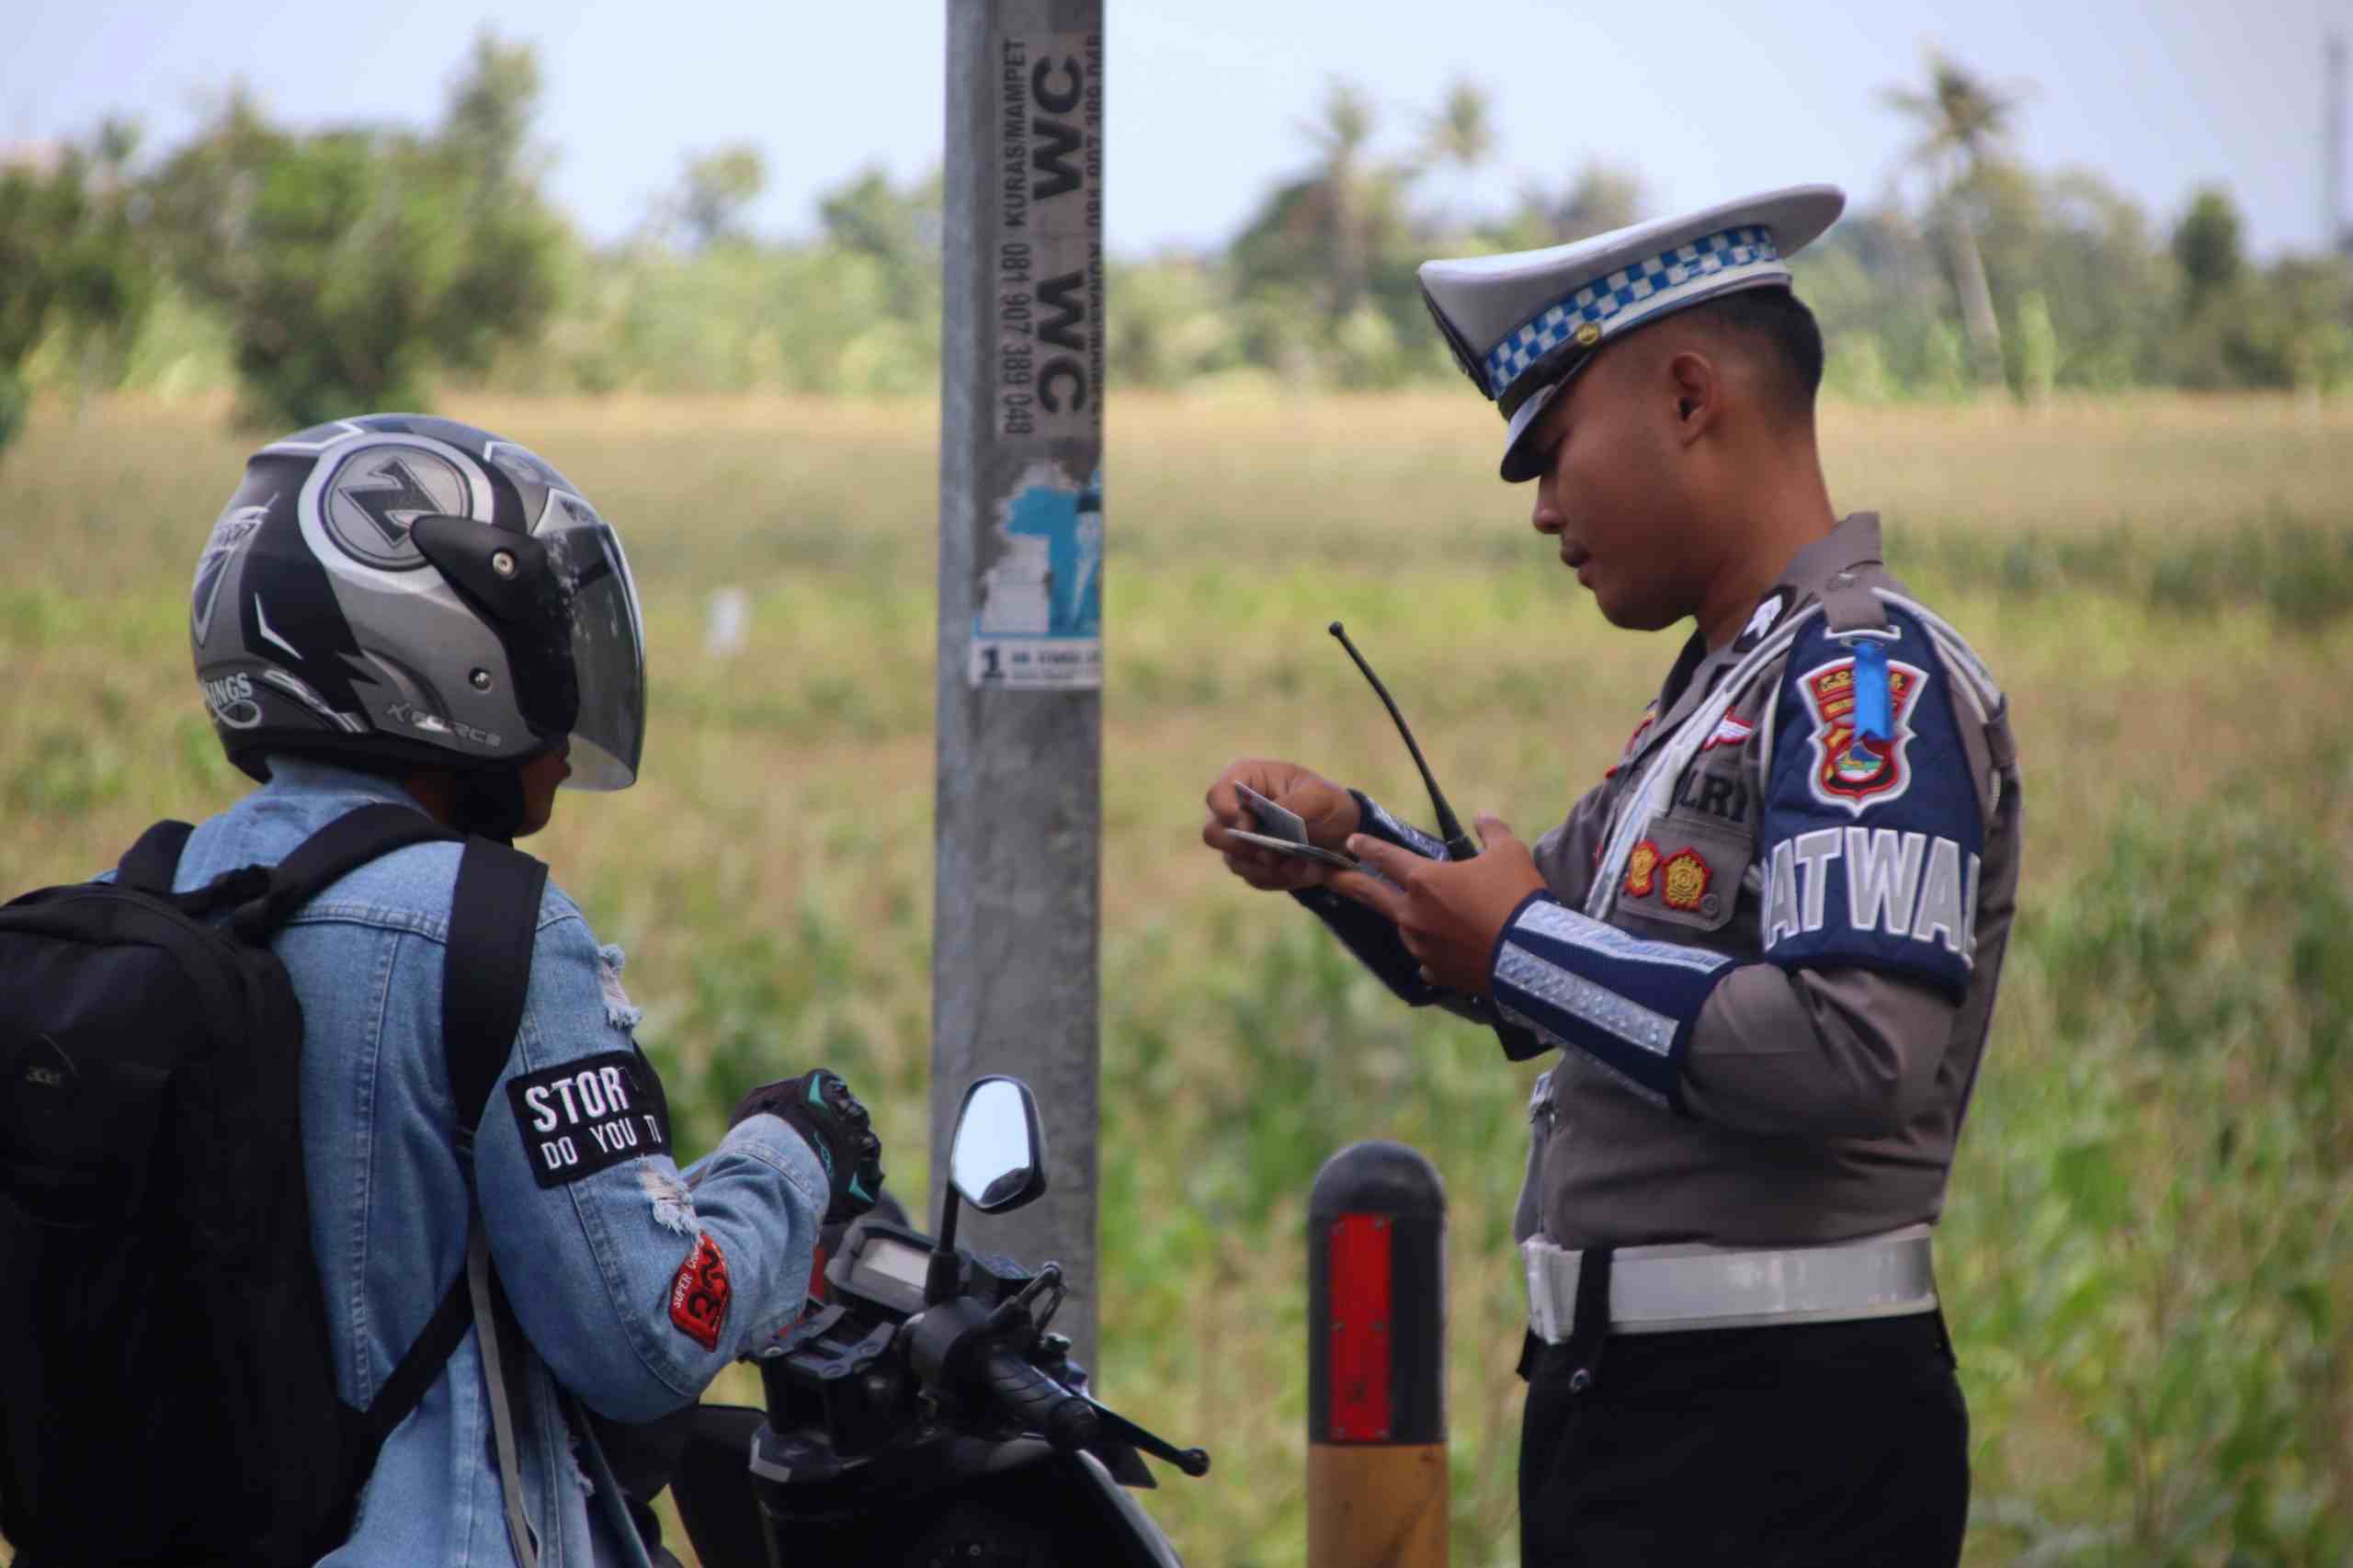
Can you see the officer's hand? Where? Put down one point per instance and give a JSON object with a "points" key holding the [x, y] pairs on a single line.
{"points": [[819, 1107], [1449, 912], [1329, 812]]}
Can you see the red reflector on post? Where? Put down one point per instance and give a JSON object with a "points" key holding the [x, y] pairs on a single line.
{"points": [[1360, 1323]]}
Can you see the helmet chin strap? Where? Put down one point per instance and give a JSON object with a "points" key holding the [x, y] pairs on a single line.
{"points": [[489, 801]]}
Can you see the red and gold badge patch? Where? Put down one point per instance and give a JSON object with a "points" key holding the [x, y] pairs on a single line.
{"points": [[699, 1293], [1849, 772], [1684, 880], [1641, 863]]}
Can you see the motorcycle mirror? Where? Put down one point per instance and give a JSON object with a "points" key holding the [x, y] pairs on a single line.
{"points": [[997, 1159]]}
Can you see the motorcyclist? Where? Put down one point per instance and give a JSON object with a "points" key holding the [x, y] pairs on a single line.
{"points": [[341, 666]]}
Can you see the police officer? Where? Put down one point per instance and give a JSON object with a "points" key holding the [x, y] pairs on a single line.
{"points": [[342, 665], [1760, 955]]}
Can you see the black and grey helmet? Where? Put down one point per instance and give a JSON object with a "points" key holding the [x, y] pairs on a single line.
{"points": [[412, 591]]}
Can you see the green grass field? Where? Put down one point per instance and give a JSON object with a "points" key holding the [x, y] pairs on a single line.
{"points": [[2147, 1254]]}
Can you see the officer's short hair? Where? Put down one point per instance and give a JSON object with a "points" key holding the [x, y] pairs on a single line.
{"points": [[1780, 321]]}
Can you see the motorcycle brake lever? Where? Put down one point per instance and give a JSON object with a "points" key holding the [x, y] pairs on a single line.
{"points": [[1192, 1462], [1007, 1314]]}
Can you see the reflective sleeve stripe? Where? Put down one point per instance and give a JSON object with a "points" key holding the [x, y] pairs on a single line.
{"points": [[1573, 994], [1547, 917], [1627, 1004]]}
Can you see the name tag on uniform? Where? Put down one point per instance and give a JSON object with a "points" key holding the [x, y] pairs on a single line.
{"points": [[586, 1116]]}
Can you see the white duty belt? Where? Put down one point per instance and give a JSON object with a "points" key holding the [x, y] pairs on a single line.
{"points": [[1661, 1290]]}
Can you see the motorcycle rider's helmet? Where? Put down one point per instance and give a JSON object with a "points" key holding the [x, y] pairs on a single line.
{"points": [[398, 591]]}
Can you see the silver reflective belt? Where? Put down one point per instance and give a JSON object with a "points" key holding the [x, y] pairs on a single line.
{"points": [[1659, 1289]]}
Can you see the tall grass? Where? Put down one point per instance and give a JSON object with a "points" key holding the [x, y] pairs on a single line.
{"points": [[2146, 1253]]}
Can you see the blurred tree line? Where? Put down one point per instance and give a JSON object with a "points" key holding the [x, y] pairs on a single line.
{"points": [[317, 272]]}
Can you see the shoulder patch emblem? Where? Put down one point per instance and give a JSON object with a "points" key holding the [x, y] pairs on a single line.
{"points": [[1686, 875], [699, 1293], [1641, 863], [1847, 771]]}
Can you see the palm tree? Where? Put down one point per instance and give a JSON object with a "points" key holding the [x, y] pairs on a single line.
{"points": [[1460, 136], [1964, 122], [1462, 132], [1340, 193], [1344, 129]]}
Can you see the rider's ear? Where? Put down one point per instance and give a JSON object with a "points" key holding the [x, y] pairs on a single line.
{"points": [[1698, 388]]}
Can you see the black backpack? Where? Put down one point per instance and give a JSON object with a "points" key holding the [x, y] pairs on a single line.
{"points": [[167, 1389]]}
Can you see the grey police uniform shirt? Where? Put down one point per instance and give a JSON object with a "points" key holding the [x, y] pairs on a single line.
{"points": [[1767, 950]]}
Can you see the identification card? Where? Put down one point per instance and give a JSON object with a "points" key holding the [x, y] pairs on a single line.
{"points": [[1284, 832]]}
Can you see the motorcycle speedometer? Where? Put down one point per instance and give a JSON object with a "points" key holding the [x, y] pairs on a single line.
{"points": [[882, 1266]]}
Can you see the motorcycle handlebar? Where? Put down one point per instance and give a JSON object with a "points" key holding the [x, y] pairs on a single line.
{"points": [[1027, 1395]]}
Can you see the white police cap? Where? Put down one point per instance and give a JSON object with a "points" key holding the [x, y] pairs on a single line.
{"points": [[1522, 323]]}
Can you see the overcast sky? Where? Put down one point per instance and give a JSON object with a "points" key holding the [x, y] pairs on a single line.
{"points": [[1708, 98]]}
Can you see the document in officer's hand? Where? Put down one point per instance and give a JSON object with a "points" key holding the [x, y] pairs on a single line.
{"points": [[1284, 832]]}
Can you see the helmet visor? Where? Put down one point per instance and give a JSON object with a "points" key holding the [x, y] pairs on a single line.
{"points": [[607, 645]]}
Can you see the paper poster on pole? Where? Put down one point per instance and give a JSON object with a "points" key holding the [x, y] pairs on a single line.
{"points": [[1038, 567], [1040, 622]]}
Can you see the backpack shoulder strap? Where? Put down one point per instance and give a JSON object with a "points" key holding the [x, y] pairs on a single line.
{"points": [[486, 968], [485, 975], [486, 971], [149, 865], [327, 855]]}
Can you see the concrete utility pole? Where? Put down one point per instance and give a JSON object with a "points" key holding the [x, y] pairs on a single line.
{"points": [[1016, 895]]}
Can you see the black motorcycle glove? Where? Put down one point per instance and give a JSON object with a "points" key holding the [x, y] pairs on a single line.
{"points": [[819, 1107]]}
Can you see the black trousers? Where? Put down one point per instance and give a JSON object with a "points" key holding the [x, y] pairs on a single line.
{"points": [[1823, 1446]]}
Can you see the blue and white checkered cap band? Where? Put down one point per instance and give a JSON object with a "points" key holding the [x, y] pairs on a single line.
{"points": [[1719, 257]]}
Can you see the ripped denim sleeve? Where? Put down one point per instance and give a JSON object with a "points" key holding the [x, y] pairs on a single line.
{"points": [[618, 1011], [634, 1285]]}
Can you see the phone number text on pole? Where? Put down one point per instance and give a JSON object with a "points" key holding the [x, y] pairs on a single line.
{"points": [[1049, 283]]}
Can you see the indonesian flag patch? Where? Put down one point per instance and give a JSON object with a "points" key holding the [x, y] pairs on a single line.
{"points": [[1849, 771], [1731, 731], [699, 1293]]}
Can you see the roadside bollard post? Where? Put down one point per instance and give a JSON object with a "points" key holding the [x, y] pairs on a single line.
{"points": [[1377, 1485]]}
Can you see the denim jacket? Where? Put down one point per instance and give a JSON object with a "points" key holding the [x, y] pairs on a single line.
{"points": [[597, 1265]]}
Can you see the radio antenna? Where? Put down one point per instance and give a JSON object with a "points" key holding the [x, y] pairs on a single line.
{"points": [[1459, 844]]}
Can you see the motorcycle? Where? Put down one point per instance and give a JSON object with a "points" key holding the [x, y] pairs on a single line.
{"points": [[923, 1414]]}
